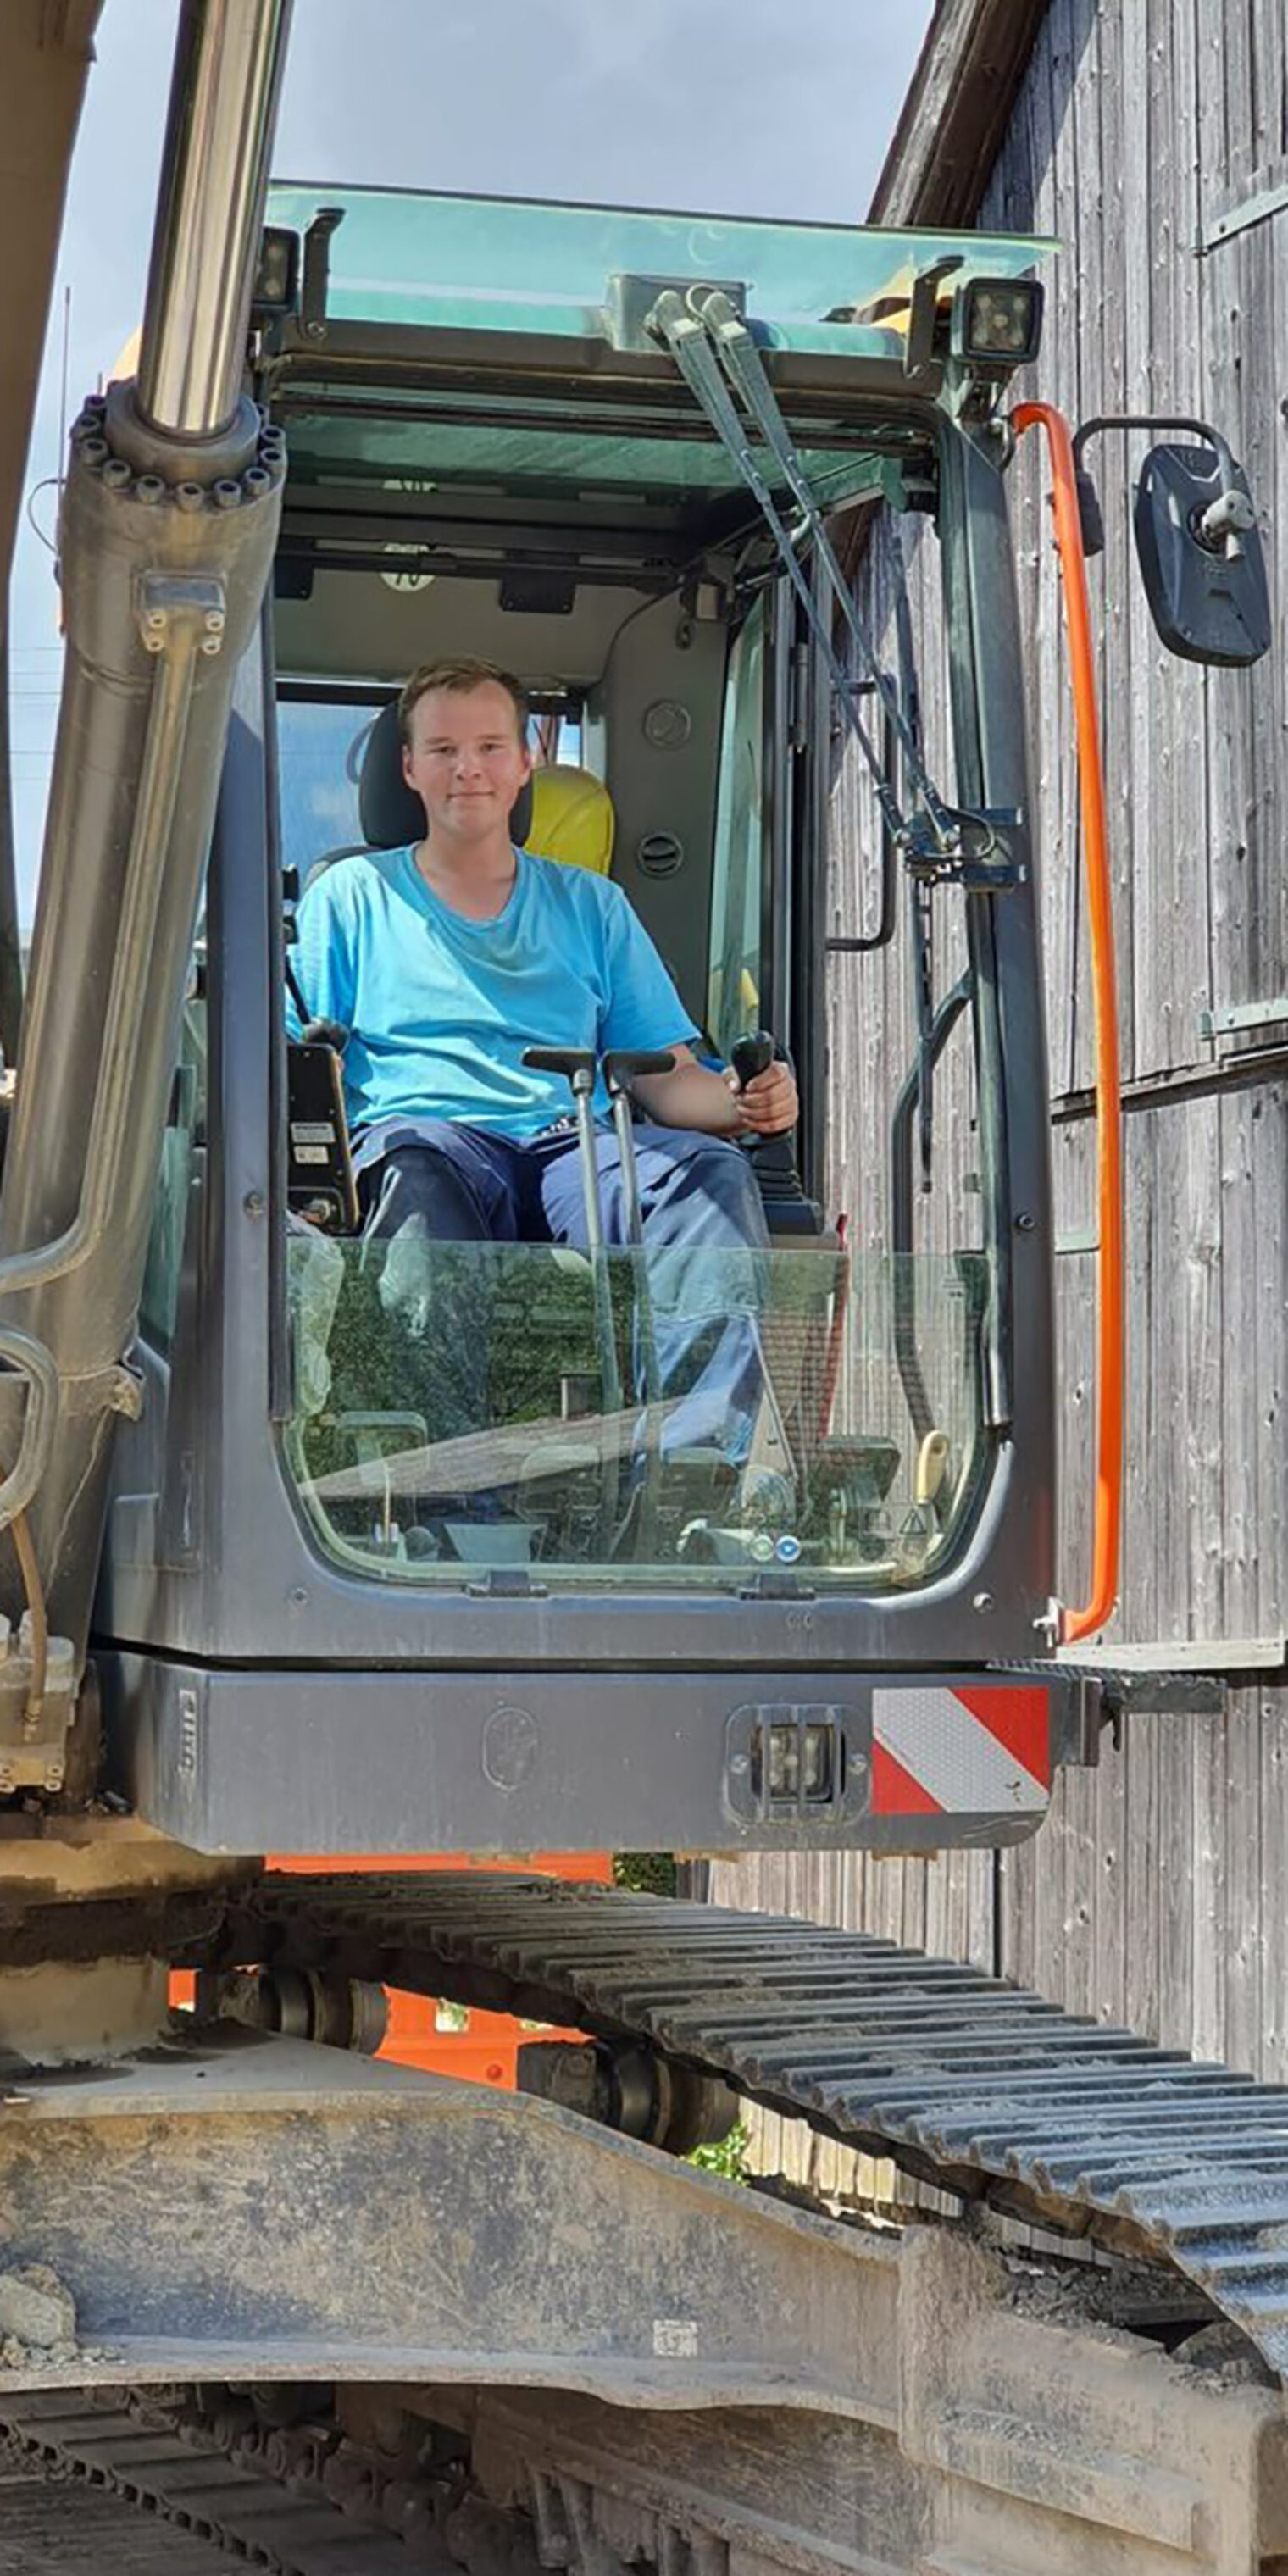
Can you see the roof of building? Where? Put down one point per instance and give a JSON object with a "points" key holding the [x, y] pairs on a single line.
{"points": [[955, 114]]}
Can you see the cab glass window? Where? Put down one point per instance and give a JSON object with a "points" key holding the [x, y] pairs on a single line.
{"points": [[320, 746]]}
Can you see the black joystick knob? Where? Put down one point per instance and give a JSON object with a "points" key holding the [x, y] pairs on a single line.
{"points": [[325, 1033], [752, 1055]]}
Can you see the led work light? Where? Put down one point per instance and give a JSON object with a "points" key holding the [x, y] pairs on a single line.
{"points": [[277, 276], [997, 322]]}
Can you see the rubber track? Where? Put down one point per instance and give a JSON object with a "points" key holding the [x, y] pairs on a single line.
{"points": [[978, 2086], [194, 2489], [61, 2526]]}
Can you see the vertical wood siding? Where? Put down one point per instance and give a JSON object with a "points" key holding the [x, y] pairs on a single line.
{"points": [[1158, 1891]]}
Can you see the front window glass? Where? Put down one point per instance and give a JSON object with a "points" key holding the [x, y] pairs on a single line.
{"points": [[466, 1409], [493, 1412], [320, 744]]}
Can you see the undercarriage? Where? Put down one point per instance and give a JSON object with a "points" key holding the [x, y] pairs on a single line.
{"points": [[356, 2312]]}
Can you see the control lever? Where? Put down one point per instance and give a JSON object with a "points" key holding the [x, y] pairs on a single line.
{"points": [[325, 1033], [752, 1055], [621, 1067], [773, 1157], [577, 1065]]}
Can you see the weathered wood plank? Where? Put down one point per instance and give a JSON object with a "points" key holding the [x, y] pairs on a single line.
{"points": [[1204, 1580], [955, 113], [1266, 1335], [1243, 1943], [1241, 1395], [1138, 145], [1139, 1612], [1141, 1931], [1272, 1913], [1112, 578]]}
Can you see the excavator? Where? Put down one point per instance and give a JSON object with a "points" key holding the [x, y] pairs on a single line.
{"points": [[273, 1583]]}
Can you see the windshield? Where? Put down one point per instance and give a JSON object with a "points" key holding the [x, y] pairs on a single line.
{"points": [[524, 1408]]}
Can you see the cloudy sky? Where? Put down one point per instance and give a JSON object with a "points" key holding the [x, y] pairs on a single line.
{"points": [[772, 107]]}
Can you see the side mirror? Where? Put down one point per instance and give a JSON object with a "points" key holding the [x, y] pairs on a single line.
{"points": [[1200, 555], [1197, 541]]}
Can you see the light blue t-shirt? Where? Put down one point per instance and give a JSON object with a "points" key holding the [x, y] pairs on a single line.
{"points": [[441, 1009]]}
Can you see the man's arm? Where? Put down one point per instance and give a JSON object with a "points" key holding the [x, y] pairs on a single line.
{"points": [[643, 1000], [322, 957], [692, 1096]]}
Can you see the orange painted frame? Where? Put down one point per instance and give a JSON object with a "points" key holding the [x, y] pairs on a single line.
{"points": [[485, 2049]]}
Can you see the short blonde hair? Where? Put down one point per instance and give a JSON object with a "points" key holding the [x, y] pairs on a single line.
{"points": [[459, 674]]}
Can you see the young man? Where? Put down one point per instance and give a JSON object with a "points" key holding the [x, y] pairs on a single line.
{"points": [[446, 961]]}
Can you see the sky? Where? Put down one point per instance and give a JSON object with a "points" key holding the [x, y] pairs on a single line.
{"points": [[770, 107]]}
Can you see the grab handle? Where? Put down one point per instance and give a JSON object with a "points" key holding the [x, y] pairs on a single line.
{"points": [[1107, 1524]]}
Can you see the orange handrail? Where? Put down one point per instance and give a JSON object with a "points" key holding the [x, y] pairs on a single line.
{"points": [[1110, 1327]]}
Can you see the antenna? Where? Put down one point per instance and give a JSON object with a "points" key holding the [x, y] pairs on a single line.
{"points": [[62, 394]]}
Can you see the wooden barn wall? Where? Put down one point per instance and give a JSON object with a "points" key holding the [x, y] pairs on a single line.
{"points": [[1156, 1893]]}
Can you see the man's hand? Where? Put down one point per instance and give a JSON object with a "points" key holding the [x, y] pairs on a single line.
{"points": [[770, 1103]]}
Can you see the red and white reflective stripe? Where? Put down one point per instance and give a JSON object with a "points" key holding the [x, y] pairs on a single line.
{"points": [[963, 1751]]}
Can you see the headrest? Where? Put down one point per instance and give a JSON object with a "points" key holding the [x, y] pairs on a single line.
{"points": [[572, 818], [391, 814]]}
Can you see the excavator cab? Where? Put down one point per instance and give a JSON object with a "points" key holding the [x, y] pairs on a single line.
{"points": [[687, 478]]}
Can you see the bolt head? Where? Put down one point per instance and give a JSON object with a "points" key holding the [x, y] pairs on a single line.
{"points": [[983, 1602]]}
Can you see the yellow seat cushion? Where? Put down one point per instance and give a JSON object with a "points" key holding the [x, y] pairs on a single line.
{"points": [[572, 819]]}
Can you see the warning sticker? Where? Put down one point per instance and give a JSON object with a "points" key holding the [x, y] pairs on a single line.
{"points": [[675, 2338]]}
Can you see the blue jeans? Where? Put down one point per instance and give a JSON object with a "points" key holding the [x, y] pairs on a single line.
{"points": [[704, 1237]]}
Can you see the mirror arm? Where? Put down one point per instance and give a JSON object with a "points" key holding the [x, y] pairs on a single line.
{"points": [[1223, 524]]}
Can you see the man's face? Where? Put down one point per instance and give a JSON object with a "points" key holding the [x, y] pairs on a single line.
{"points": [[465, 760]]}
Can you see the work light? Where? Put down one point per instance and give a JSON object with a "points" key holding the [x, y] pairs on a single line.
{"points": [[277, 275], [997, 322]]}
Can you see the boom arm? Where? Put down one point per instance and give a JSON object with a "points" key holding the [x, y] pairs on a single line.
{"points": [[169, 519]]}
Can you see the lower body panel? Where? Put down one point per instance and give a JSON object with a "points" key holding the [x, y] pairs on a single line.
{"points": [[412, 1762]]}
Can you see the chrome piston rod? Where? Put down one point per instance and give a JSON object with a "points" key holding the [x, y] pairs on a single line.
{"points": [[210, 212]]}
